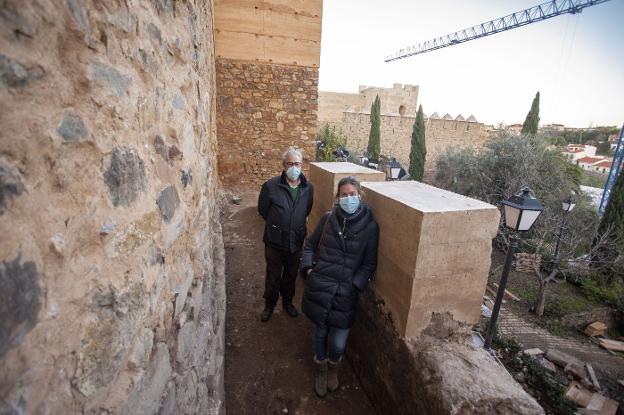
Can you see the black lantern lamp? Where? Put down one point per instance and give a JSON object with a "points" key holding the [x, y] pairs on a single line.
{"points": [[521, 212], [320, 145], [568, 204], [394, 169], [364, 159], [341, 153]]}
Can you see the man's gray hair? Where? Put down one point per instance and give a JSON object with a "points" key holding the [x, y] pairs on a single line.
{"points": [[292, 151]]}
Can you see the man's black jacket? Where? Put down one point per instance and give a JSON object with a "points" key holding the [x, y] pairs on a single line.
{"points": [[285, 218]]}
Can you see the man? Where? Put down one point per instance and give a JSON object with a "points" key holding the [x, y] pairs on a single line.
{"points": [[285, 202]]}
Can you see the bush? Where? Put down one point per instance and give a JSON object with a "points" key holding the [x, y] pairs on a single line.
{"points": [[332, 139], [597, 289]]}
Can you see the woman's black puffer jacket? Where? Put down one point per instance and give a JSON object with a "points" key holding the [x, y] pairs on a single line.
{"points": [[347, 259]]}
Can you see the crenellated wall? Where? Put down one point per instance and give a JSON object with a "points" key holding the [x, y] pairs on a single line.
{"points": [[111, 259], [268, 55]]}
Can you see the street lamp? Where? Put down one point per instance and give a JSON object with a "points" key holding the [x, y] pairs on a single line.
{"points": [[521, 212], [320, 145], [364, 159], [567, 205], [394, 169], [341, 153]]}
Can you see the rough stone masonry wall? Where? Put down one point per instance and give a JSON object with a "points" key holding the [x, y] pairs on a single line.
{"points": [[396, 133], [111, 256], [263, 109]]}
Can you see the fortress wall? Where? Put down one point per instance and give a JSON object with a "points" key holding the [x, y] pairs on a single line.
{"points": [[396, 133], [112, 295], [268, 55]]}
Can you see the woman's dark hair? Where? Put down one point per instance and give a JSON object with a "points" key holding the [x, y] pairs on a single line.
{"points": [[349, 180]]}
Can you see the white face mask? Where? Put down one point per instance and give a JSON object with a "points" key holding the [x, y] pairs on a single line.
{"points": [[293, 173]]}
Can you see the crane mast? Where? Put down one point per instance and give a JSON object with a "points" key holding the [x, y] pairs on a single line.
{"points": [[522, 18], [614, 172]]}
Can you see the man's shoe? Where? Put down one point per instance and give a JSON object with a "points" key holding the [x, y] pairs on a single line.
{"points": [[290, 310], [266, 314]]}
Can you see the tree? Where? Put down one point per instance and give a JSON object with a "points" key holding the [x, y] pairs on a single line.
{"points": [[418, 152], [332, 139], [504, 166], [531, 123], [374, 138]]}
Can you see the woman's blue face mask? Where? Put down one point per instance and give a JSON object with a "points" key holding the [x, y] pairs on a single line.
{"points": [[349, 203]]}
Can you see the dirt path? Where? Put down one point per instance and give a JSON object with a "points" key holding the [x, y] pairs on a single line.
{"points": [[268, 366]]}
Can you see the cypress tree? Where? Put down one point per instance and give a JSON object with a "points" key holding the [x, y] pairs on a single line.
{"points": [[418, 152], [531, 123], [374, 137]]}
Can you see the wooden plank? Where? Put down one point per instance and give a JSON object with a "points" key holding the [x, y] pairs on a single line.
{"points": [[578, 394], [595, 340], [491, 291], [592, 375], [597, 328], [612, 345], [513, 297]]}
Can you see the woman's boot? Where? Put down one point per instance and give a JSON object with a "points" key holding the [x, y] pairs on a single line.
{"points": [[320, 383], [332, 376]]}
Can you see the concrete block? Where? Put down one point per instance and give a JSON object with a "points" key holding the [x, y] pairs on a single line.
{"points": [[434, 252], [325, 177]]}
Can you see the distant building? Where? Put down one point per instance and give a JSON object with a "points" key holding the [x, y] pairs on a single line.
{"points": [[574, 152], [552, 128], [613, 140], [515, 129]]}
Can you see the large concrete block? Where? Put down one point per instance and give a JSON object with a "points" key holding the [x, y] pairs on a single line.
{"points": [[325, 177], [434, 252]]}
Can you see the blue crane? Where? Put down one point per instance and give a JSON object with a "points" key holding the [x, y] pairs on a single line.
{"points": [[616, 169], [522, 18]]}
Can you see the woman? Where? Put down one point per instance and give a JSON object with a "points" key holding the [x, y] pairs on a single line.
{"points": [[339, 259]]}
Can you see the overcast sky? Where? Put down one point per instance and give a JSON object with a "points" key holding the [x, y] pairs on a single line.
{"points": [[575, 61]]}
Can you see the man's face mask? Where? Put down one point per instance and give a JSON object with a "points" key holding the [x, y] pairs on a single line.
{"points": [[349, 203], [293, 172]]}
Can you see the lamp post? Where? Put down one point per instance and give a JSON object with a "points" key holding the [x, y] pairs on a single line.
{"points": [[341, 153], [521, 212], [567, 205], [394, 169], [364, 159], [320, 145]]}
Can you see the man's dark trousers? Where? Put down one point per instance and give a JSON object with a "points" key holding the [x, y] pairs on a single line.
{"points": [[281, 275]]}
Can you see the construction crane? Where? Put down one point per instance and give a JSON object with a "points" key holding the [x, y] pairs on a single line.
{"points": [[616, 169], [522, 18]]}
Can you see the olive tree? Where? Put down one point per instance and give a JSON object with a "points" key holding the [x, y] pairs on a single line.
{"points": [[505, 165]]}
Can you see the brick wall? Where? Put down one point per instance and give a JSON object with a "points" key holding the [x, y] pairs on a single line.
{"points": [[262, 110]]}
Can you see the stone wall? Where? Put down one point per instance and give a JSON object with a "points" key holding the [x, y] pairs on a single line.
{"points": [[268, 54], [396, 133], [263, 109], [111, 275], [439, 373]]}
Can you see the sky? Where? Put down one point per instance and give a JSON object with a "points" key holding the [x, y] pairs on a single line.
{"points": [[576, 62]]}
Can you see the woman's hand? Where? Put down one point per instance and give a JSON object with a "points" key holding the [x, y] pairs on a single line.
{"points": [[309, 271]]}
